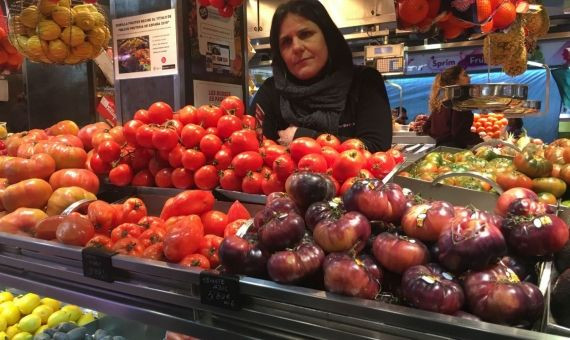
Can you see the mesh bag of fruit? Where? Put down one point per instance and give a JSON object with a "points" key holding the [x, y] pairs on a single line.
{"points": [[10, 58], [58, 31]]}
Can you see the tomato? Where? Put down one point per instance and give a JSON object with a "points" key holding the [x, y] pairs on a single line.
{"points": [[99, 166], [195, 260], [233, 105], [226, 11], [156, 164], [152, 236], [193, 159], [209, 247], [208, 115], [251, 183], [163, 178], [100, 137], [149, 222], [271, 152], [380, 164], [69, 140], [532, 163], [143, 178], [271, 183], [206, 178], [210, 145], [552, 185], [144, 136], [159, 113], [396, 155], [513, 179], [283, 167], [249, 122], [154, 252], [30, 193], [303, 146], [329, 140], [313, 162], [547, 198], [142, 115], [227, 125], [214, 222], [243, 140], [64, 197], [347, 184], [233, 227], [183, 238], [352, 144], [175, 156], [182, 178], [86, 133], [164, 138], [267, 142], [21, 220], [133, 210], [63, 127], [237, 211], [125, 230], [129, 246], [100, 241], [222, 159], [121, 175], [187, 203], [364, 173], [229, 180], [117, 132], [109, 151], [130, 131], [141, 158], [66, 157], [188, 115], [330, 154], [46, 228], [74, 230], [103, 217], [16, 169], [247, 161], [348, 165], [192, 135]]}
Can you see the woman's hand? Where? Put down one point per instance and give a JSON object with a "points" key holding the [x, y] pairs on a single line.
{"points": [[286, 136]]}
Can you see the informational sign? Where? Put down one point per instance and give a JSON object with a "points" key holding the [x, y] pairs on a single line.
{"points": [[97, 264], [216, 39], [209, 92], [145, 45], [220, 290], [106, 109]]}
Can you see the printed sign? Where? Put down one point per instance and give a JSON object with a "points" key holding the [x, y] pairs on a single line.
{"points": [[209, 92]]}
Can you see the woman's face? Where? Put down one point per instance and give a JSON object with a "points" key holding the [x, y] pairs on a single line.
{"points": [[302, 46], [464, 78]]}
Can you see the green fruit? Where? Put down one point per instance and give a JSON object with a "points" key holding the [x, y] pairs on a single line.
{"points": [[27, 303], [43, 311], [566, 203], [6, 296], [54, 304], [30, 323], [39, 330], [85, 319], [553, 185], [23, 336], [11, 313], [74, 312], [58, 317]]}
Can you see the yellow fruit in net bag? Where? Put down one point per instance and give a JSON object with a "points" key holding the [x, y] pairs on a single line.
{"points": [[48, 30], [30, 31], [63, 16], [46, 6], [21, 43], [30, 16], [72, 60], [81, 8], [64, 3], [85, 20], [73, 35], [97, 36], [16, 25], [58, 50], [107, 36], [99, 18], [83, 51], [35, 48]]}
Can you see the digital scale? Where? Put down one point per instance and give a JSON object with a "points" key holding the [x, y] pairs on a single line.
{"points": [[387, 59]]}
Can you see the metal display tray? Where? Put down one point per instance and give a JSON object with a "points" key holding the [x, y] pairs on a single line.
{"points": [[242, 196], [549, 323]]}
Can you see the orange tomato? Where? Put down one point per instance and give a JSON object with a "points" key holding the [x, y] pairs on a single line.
{"points": [[477, 125]]}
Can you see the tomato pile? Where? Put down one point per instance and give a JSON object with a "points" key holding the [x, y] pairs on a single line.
{"points": [[10, 59], [225, 8], [491, 124]]}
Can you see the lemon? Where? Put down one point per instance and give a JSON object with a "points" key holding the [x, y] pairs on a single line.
{"points": [[30, 323], [53, 303], [11, 313], [3, 336], [58, 317], [23, 336], [84, 319], [40, 330], [28, 302], [74, 312], [3, 324], [6, 296], [12, 331], [43, 312]]}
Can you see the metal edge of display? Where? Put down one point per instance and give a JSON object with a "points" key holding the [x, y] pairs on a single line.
{"points": [[242, 196]]}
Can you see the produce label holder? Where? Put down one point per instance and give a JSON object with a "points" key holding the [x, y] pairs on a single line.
{"points": [[220, 290], [98, 264]]}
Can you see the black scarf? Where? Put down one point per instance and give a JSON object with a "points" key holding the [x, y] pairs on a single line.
{"points": [[317, 105]]}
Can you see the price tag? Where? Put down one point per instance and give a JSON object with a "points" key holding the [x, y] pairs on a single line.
{"points": [[220, 290], [98, 264]]}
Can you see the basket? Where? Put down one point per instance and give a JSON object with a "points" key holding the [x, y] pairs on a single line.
{"points": [[63, 32]]}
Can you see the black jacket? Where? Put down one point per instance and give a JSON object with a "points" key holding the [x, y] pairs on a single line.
{"points": [[367, 114]]}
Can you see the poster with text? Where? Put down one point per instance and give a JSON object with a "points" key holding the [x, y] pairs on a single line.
{"points": [[209, 92], [145, 45]]}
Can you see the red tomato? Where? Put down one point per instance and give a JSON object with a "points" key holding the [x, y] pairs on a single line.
{"points": [[283, 167], [183, 238], [396, 155], [82, 178], [206, 178], [195, 260], [247, 161], [227, 11], [365, 173], [209, 247], [164, 155], [154, 252], [347, 185], [210, 145], [163, 178], [222, 159], [152, 236], [159, 113], [327, 139], [192, 135], [188, 115], [142, 115], [303, 146], [265, 171], [352, 144], [164, 138], [175, 156], [243, 140], [74, 230], [233, 227], [100, 137], [214, 222], [193, 159], [267, 142], [100, 241], [330, 154], [126, 230], [227, 125], [380, 164], [144, 136], [121, 175], [336, 185], [149, 222], [174, 124], [156, 164], [187, 203], [251, 183], [103, 217], [348, 165], [212, 131], [141, 158], [272, 183], [271, 152], [109, 151], [238, 211], [129, 246], [233, 105], [182, 178], [133, 209], [229, 180], [249, 122], [313, 162], [208, 115]]}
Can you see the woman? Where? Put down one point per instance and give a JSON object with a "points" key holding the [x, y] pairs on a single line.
{"points": [[315, 87], [446, 125]]}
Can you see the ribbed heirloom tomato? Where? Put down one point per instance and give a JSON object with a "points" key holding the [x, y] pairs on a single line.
{"points": [[183, 238], [103, 217], [195, 260], [209, 247], [133, 210]]}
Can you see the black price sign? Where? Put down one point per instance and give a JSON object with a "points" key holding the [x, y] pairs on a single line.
{"points": [[220, 290], [98, 264]]}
